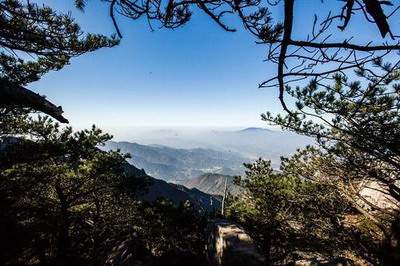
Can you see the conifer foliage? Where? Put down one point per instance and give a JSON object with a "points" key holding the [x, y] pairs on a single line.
{"points": [[34, 40]]}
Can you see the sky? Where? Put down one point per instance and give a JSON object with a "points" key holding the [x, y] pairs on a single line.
{"points": [[194, 76]]}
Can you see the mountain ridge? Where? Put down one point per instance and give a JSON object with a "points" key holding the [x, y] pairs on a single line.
{"points": [[250, 143], [155, 189], [255, 129], [174, 164], [213, 184]]}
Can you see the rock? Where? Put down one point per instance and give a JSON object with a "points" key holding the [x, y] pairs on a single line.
{"points": [[229, 244]]}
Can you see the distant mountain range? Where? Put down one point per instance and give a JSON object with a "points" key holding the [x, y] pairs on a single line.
{"points": [[250, 143], [256, 142], [200, 162], [172, 164], [213, 184]]}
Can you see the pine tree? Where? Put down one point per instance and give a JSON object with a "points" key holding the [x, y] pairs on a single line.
{"points": [[33, 41]]}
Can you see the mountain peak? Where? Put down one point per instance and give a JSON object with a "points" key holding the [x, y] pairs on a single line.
{"points": [[254, 129]]}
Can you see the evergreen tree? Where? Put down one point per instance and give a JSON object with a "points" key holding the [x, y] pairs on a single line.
{"points": [[357, 123], [294, 214], [64, 201], [61, 197], [33, 41]]}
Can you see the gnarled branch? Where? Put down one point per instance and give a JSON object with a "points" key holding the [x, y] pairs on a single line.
{"points": [[12, 95]]}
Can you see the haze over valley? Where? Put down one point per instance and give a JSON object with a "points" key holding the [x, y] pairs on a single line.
{"points": [[177, 155]]}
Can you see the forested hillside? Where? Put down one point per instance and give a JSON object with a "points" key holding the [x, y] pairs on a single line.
{"points": [[155, 189]]}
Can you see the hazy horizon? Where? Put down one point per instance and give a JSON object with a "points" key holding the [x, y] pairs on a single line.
{"points": [[136, 133], [195, 76]]}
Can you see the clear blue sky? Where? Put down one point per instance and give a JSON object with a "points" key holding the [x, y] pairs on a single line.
{"points": [[197, 75]]}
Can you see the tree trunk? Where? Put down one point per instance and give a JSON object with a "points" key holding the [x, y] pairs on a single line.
{"points": [[63, 256]]}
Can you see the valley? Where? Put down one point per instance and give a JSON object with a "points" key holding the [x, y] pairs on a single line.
{"points": [[177, 155]]}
